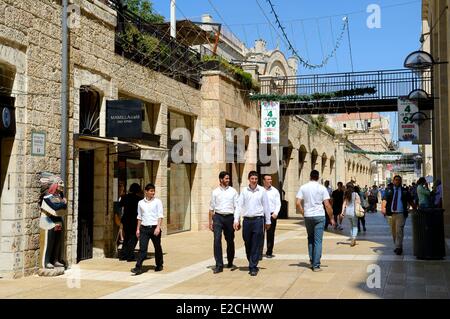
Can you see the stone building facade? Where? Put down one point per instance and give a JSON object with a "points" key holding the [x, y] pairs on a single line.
{"points": [[435, 27], [30, 54], [97, 166]]}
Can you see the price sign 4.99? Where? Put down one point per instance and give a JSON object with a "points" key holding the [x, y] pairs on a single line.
{"points": [[270, 122], [407, 130]]}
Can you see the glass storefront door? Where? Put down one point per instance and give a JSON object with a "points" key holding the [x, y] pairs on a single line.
{"points": [[179, 197]]}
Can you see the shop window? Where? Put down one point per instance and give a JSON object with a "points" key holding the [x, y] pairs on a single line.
{"points": [[90, 102], [7, 74]]}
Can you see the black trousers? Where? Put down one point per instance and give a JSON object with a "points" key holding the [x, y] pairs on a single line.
{"points": [[129, 241], [362, 220], [270, 234], [223, 224], [55, 239], [253, 235], [147, 233]]}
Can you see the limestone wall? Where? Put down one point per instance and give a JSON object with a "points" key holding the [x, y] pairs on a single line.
{"points": [[30, 33]]}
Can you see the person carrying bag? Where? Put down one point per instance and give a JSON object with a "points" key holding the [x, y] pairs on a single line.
{"points": [[352, 208]]}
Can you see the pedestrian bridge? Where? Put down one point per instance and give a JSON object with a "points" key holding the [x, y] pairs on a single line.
{"points": [[372, 91]]}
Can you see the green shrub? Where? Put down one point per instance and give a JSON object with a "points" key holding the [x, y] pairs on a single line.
{"points": [[244, 78]]}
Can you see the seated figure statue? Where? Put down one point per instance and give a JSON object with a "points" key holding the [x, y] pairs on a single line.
{"points": [[53, 209]]}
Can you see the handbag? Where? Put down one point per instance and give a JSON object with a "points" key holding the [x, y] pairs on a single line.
{"points": [[359, 211]]}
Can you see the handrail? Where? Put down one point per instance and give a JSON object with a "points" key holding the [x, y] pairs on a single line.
{"points": [[387, 84]]}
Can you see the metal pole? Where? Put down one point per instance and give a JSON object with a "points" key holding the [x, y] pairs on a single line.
{"points": [[64, 88], [173, 21]]}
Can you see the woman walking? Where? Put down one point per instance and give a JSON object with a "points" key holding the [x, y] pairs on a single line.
{"points": [[365, 205], [351, 200]]}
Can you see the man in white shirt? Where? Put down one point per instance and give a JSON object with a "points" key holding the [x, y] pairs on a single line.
{"points": [[275, 205], [150, 216], [221, 211], [253, 206], [315, 197]]}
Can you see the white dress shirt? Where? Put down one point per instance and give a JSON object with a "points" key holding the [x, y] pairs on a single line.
{"points": [[149, 211], [224, 200], [274, 200], [252, 203], [313, 195]]}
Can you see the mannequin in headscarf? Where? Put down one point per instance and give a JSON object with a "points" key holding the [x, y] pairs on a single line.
{"points": [[53, 205]]}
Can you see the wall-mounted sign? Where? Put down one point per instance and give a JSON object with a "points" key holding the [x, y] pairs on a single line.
{"points": [[38, 141], [270, 122], [407, 130], [124, 118]]}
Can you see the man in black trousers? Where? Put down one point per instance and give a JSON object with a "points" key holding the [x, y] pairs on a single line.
{"points": [[275, 205], [221, 211], [253, 206], [150, 216]]}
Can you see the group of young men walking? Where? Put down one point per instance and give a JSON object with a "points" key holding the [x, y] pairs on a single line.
{"points": [[258, 206]]}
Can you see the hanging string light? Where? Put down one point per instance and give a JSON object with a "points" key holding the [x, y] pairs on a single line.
{"points": [[302, 60]]}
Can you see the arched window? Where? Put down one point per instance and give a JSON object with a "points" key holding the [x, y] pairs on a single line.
{"points": [[90, 101], [301, 159], [324, 162], [314, 156]]}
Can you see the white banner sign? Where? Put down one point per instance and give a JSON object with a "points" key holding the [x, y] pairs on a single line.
{"points": [[270, 122], [407, 130]]}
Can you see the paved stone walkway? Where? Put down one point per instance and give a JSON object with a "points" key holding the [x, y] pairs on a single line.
{"points": [[188, 261]]}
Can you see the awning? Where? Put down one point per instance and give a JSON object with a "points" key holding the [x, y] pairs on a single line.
{"points": [[148, 153]]}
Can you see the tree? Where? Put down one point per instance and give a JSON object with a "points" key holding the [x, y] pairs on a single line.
{"points": [[144, 9]]}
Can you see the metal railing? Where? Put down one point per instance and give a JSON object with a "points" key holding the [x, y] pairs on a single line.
{"points": [[168, 56], [388, 84]]}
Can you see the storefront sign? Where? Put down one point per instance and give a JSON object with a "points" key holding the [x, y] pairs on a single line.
{"points": [[407, 130], [38, 141], [270, 122], [7, 116], [124, 118], [404, 167]]}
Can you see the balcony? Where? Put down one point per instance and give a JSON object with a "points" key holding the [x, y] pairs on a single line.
{"points": [[150, 45]]}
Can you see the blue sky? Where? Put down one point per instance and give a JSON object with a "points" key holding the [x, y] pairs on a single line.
{"points": [[314, 26]]}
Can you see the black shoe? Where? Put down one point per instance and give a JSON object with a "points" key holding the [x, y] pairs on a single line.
{"points": [[217, 270], [230, 265], [253, 273], [398, 251], [159, 268], [269, 256], [136, 271]]}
